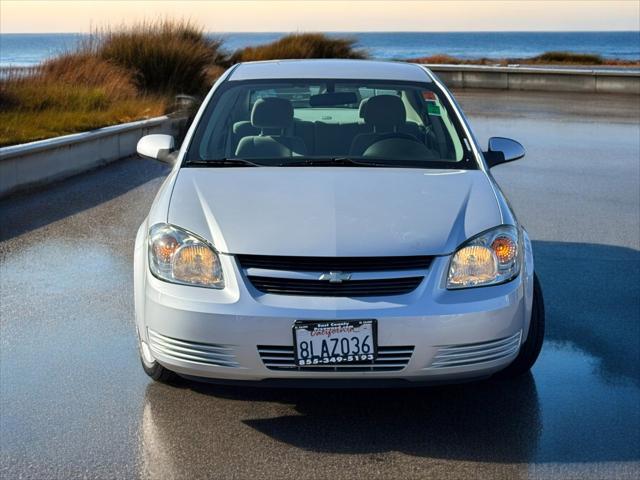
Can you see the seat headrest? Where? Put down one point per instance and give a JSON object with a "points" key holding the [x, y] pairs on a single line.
{"points": [[385, 112], [363, 107], [244, 128], [272, 112]]}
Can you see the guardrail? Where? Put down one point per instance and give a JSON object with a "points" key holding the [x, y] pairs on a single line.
{"points": [[37, 163], [539, 78]]}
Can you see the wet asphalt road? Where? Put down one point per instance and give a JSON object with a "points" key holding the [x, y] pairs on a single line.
{"points": [[75, 402]]}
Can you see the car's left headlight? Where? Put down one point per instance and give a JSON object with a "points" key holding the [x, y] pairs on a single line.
{"points": [[179, 256], [489, 258]]}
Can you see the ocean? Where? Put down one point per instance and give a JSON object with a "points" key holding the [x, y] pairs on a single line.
{"points": [[32, 48]]}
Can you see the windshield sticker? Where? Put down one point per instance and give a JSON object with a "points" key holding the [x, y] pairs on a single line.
{"points": [[433, 109], [429, 96]]}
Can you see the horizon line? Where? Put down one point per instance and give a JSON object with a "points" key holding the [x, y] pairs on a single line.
{"points": [[355, 31]]}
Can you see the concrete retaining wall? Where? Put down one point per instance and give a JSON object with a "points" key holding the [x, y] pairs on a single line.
{"points": [[542, 79], [36, 163]]}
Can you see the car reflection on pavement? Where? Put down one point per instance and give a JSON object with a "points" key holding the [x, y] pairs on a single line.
{"points": [[486, 422]]}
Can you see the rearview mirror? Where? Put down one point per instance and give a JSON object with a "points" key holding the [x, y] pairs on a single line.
{"points": [[503, 150], [333, 99], [157, 147]]}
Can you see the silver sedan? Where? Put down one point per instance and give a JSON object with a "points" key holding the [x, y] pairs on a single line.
{"points": [[333, 222]]}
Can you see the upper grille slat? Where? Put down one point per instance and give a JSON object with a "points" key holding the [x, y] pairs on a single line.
{"points": [[325, 264], [351, 288], [263, 272]]}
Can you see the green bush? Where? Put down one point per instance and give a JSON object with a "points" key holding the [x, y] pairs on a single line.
{"points": [[301, 45]]}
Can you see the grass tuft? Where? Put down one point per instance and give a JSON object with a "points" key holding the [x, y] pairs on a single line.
{"points": [[69, 94], [21, 126], [548, 58], [165, 57], [129, 73], [568, 57], [301, 45], [83, 68]]}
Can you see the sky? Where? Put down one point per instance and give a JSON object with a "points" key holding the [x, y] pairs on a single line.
{"points": [[24, 16]]}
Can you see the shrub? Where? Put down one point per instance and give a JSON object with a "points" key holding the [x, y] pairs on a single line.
{"points": [[85, 69], [568, 57], [164, 56], [438, 58], [301, 45], [38, 96], [449, 60], [73, 81], [115, 76], [71, 93], [19, 126], [213, 73], [8, 99]]}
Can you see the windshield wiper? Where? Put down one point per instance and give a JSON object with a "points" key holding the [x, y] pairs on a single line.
{"points": [[299, 162], [223, 162], [334, 161]]}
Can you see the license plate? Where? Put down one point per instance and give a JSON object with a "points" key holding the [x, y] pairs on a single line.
{"points": [[332, 342]]}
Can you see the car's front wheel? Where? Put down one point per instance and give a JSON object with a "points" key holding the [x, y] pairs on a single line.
{"points": [[153, 368], [530, 349]]}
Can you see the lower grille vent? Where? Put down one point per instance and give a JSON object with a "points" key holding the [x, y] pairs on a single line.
{"points": [[205, 353], [474, 353], [389, 359]]}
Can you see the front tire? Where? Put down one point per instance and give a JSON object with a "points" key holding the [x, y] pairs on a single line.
{"points": [[530, 349], [155, 370]]}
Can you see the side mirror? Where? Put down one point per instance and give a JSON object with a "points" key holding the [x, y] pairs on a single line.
{"points": [[157, 147], [503, 150]]}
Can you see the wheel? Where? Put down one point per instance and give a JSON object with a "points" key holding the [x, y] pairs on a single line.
{"points": [[530, 349], [153, 368]]}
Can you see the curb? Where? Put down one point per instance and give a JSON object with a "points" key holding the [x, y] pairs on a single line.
{"points": [[538, 78], [37, 163]]}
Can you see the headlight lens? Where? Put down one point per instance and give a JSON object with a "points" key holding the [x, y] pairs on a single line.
{"points": [[178, 256], [488, 259]]}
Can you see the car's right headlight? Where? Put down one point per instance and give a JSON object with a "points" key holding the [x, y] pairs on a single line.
{"points": [[489, 258], [179, 256]]}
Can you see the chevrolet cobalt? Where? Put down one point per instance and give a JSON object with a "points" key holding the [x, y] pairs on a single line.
{"points": [[333, 222]]}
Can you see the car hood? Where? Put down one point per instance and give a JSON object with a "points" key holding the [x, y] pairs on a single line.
{"points": [[333, 211]]}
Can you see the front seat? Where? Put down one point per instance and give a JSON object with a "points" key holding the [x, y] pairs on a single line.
{"points": [[269, 114], [386, 115]]}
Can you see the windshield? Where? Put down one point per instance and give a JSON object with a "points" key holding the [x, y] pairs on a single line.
{"points": [[326, 122]]}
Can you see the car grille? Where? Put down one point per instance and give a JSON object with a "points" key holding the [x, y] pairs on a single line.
{"points": [[474, 353], [326, 264], [389, 359], [263, 272], [322, 288], [204, 353]]}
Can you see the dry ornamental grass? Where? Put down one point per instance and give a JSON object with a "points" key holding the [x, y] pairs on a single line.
{"points": [[130, 73]]}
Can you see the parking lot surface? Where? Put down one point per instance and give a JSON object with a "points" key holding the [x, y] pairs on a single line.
{"points": [[74, 401]]}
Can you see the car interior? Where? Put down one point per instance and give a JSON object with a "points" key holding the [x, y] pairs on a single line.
{"points": [[275, 123]]}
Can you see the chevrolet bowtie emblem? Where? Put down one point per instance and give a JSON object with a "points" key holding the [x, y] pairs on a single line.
{"points": [[335, 277]]}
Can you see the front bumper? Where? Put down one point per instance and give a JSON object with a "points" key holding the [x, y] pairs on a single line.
{"points": [[429, 335]]}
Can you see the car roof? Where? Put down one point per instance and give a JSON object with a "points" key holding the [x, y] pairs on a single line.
{"points": [[330, 68]]}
